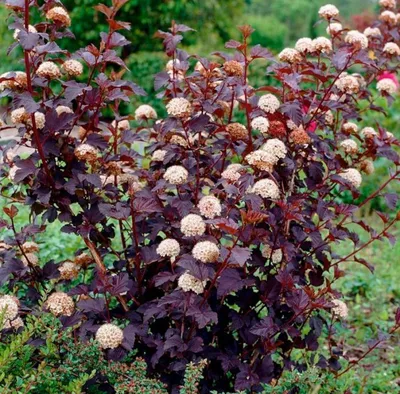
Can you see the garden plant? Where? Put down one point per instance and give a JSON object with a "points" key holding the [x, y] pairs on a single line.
{"points": [[209, 232]]}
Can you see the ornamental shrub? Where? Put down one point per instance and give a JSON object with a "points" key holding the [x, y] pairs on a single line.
{"points": [[209, 234]]}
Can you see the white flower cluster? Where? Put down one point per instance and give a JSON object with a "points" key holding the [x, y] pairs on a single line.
{"points": [[391, 48], [290, 55], [372, 32], [158, 155], [334, 28], [388, 3], [17, 80], [262, 160], [352, 176], [328, 11], [261, 124], [179, 107], [83, 259], [349, 146], [266, 188], [388, 17], [232, 172], [30, 247], [206, 252], [86, 152], [145, 112], [68, 270], [210, 207], [275, 256], [368, 132], [269, 103], [386, 85], [357, 39], [168, 248], [48, 70], [60, 304], [188, 282], [72, 67], [109, 336], [276, 148], [193, 225], [8, 307], [304, 45], [63, 109], [339, 309], [60, 15], [322, 44], [348, 84], [176, 175], [350, 127]]}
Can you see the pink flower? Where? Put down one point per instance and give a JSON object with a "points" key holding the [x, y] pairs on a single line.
{"points": [[391, 76]]}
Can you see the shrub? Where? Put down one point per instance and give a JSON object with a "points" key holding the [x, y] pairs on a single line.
{"points": [[220, 252]]}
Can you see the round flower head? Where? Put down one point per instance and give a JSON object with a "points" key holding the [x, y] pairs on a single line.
{"points": [[145, 112], [261, 124], [31, 29], [387, 86], [300, 136], [277, 129], [206, 252], [290, 55], [13, 324], [60, 15], [179, 107], [232, 172], [348, 84], [168, 248], [83, 259], [16, 80], [30, 247], [233, 68], [60, 304], [121, 125], [237, 131], [391, 48], [276, 148], [266, 188], [158, 155], [304, 45], [188, 282], [275, 256], [350, 127], [388, 17], [177, 139], [262, 160], [328, 11], [8, 307], [210, 207], [177, 175], [68, 270], [86, 152], [349, 146], [372, 32], [19, 115], [334, 28], [109, 336], [48, 70], [387, 3], [40, 120], [339, 309], [368, 132], [322, 44], [367, 167], [193, 225], [269, 103], [357, 39], [30, 259], [352, 176], [72, 67], [63, 109]]}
